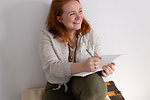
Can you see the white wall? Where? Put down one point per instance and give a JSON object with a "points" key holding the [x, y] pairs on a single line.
{"points": [[123, 26], [21, 21]]}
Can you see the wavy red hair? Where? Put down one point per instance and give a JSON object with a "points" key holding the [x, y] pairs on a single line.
{"points": [[58, 29]]}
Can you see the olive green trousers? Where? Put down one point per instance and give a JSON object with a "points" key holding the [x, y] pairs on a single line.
{"points": [[91, 87]]}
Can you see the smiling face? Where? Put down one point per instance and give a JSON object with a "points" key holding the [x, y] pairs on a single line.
{"points": [[72, 16]]}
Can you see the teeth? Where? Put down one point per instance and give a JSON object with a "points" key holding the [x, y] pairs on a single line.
{"points": [[78, 22]]}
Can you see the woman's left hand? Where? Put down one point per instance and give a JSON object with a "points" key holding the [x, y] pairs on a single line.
{"points": [[108, 69]]}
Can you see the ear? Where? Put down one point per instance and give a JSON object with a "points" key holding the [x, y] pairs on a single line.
{"points": [[60, 19]]}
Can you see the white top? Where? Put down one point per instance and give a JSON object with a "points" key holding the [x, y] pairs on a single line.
{"points": [[54, 55]]}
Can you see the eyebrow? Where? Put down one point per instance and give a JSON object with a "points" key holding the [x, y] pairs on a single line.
{"points": [[74, 11]]}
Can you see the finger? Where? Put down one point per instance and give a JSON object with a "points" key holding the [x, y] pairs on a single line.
{"points": [[107, 71], [104, 67], [96, 63], [92, 68], [90, 59], [113, 63], [112, 66], [90, 62], [98, 57], [104, 74], [96, 69], [110, 70]]}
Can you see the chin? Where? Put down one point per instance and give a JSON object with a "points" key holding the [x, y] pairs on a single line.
{"points": [[77, 28]]}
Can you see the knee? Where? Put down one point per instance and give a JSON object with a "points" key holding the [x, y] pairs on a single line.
{"points": [[93, 95], [94, 92], [89, 88]]}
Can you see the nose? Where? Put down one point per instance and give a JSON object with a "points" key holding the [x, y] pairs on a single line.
{"points": [[78, 16]]}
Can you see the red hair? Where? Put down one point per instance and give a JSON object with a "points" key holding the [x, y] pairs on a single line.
{"points": [[58, 29]]}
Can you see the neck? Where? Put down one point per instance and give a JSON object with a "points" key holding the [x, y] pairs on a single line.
{"points": [[73, 39], [72, 34]]}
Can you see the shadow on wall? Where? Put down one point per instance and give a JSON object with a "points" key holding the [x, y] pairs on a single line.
{"points": [[21, 68]]}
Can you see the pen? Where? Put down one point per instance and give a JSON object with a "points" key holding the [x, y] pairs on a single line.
{"points": [[100, 72], [91, 56], [89, 52]]}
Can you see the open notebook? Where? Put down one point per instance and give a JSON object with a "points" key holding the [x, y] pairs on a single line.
{"points": [[106, 59]]}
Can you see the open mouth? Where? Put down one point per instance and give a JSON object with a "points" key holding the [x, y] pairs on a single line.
{"points": [[77, 22]]}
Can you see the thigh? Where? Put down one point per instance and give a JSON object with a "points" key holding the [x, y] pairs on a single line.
{"points": [[59, 94], [91, 87]]}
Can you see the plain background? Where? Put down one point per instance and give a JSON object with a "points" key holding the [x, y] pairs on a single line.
{"points": [[123, 27]]}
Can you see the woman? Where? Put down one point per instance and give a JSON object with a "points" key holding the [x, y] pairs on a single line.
{"points": [[63, 54]]}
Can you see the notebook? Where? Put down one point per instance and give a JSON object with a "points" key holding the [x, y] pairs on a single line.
{"points": [[106, 59]]}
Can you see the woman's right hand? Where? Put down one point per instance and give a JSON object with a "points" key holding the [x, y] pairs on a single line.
{"points": [[91, 64]]}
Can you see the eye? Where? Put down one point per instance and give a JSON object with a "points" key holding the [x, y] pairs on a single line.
{"points": [[72, 14], [80, 11]]}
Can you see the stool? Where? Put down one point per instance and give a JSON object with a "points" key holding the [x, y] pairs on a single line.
{"points": [[33, 94]]}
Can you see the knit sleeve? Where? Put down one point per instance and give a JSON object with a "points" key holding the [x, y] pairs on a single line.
{"points": [[50, 62]]}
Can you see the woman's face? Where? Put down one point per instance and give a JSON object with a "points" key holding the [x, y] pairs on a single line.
{"points": [[72, 16]]}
